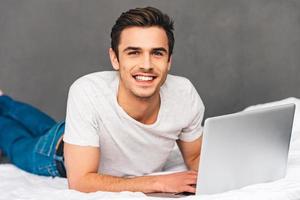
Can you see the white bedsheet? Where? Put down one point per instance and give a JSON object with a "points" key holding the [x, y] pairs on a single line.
{"points": [[17, 184]]}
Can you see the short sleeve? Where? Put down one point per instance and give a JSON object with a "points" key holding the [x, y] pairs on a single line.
{"points": [[195, 109], [81, 124]]}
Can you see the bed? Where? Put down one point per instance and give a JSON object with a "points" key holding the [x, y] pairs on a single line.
{"points": [[18, 184]]}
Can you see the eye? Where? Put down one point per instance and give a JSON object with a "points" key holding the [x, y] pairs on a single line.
{"points": [[133, 53], [158, 53]]}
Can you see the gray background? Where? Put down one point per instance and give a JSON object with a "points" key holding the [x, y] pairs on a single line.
{"points": [[236, 52]]}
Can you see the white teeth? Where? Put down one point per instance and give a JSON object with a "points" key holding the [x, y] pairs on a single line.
{"points": [[144, 78]]}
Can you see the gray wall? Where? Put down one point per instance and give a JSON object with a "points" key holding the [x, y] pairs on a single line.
{"points": [[236, 52]]}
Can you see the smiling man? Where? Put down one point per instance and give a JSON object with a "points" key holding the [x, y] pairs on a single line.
{"points": [[122, 125]]}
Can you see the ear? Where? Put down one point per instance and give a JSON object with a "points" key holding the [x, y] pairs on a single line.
{"points": [[113, 59], [170, 63]]}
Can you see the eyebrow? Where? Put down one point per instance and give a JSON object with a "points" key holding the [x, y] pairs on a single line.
{"points": [[138, 48], [131, 48], [160, 49]]}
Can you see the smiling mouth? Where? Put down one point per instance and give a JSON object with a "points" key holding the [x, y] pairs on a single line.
{"points": [[144, 77]]}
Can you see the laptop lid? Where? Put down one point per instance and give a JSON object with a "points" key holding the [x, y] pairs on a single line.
{"points": [[244, 148]]}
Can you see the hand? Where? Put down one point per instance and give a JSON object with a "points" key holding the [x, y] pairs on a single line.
{"points": [[177, 182]]}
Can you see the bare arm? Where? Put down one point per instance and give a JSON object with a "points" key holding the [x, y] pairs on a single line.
{"points": [[82, 166], [191, 152]]}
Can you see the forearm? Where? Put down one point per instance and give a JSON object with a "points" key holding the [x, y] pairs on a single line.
{"points": [[93, 182], [193, 164], [191, 152]]}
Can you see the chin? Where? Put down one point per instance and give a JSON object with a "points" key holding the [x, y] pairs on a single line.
{"points": [[144, 94]]}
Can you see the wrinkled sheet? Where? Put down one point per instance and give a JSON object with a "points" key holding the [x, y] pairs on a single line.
{"points": [[18, 184]]}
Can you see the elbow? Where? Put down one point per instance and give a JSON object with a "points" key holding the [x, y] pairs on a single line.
{"points": [[82, 183], [72, 186], [75, 184]]}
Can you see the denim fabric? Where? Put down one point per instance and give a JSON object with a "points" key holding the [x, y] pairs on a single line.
{"points": [[28, 137]]}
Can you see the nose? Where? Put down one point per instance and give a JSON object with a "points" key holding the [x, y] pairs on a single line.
{"points": [[146, 65]]}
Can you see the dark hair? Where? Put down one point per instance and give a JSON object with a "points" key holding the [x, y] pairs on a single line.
{"points": [[143, 17]]}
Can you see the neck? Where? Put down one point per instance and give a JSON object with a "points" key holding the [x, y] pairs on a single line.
{"points": [[144, 110]]}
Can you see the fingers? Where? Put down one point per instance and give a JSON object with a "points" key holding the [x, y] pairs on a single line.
{"points": [[189, 173], [190, 181], [188, 177], [192, 175], [179, 182], [189, 188]]}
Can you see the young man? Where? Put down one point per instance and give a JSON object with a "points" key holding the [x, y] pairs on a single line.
{"points": [[126, 123], [122, 125]]}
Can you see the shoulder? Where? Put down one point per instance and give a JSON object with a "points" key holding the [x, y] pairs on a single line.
{"points": [[96, 78], [92, 88], [180, 89], [178, 85], [94, 82]]}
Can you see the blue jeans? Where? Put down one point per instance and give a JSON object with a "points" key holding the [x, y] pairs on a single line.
{"points": [[28, 137]]}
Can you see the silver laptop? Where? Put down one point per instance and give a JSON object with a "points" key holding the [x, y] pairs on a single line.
{"points": [[244, 148]]}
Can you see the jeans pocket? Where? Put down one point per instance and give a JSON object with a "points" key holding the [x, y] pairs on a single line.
{"points": [[48, 170], [45, 151], [46, 143]]}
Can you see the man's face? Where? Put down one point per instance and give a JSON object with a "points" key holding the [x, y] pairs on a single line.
{"points": [[143, 60]]}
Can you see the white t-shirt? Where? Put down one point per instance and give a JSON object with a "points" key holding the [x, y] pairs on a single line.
{"points": [[129, 147]]}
